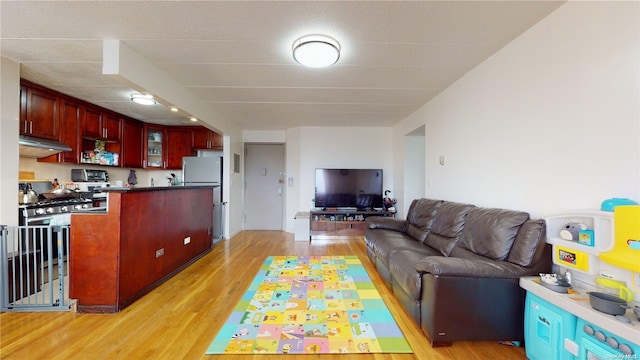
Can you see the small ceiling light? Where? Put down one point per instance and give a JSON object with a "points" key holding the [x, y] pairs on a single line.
{"points": [[316, 50], [143, 99], [174, 109], [193, 119]]}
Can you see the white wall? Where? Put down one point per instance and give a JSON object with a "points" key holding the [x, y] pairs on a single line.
{"points": [[308, 148], [549, 123], [9, 129]]}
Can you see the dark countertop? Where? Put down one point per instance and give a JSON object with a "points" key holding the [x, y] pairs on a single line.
{"points": [[153, 188]]}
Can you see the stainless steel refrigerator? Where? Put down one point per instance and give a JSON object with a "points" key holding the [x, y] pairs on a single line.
{"points": [[207, 171]]}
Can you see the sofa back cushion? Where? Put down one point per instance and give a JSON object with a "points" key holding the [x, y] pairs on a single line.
{"points": [[529, 243], [491, 232], [447, 226], [420, 217]]}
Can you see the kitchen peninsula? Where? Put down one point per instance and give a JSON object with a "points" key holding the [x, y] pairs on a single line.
{"points": [[146, 236]]}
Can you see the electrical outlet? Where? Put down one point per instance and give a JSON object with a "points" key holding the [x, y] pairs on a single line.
{"points": [[159, 252], [187, 240]]}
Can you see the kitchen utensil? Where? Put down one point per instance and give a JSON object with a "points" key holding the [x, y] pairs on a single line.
{"points": [[61, 194], [28, 195], [560, 287], [625, 293], [607, 303]]}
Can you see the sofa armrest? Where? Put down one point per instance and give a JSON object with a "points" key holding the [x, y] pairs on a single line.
{"points": [[389, 223], [451, 266]]}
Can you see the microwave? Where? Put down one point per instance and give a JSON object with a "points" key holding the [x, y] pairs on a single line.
{"points": [[87, 175]]}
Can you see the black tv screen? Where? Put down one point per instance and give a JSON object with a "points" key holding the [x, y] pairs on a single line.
{"points": [[352, 188]]}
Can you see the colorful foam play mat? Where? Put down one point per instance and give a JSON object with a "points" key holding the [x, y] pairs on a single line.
{"points": [[310, 305]]}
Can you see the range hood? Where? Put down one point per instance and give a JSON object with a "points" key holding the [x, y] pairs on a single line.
{"points": [[33, 147]]}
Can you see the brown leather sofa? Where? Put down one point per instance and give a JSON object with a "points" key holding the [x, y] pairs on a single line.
{"points": [[455, 267]]}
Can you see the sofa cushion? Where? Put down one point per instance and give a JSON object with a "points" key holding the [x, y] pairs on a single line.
{"points": [[385, 242], [526, 249], [447, 226], [402, 267], [420, 217], [491, 232]]}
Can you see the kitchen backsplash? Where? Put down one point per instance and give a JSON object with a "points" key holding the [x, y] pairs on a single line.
{"points": [[62, 172]]}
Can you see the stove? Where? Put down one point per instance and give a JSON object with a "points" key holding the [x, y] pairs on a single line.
{"points": [[48, 208]]}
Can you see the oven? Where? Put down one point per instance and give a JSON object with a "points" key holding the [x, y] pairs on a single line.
{"points": [[48, 213], [598, 344], [33, 219]]}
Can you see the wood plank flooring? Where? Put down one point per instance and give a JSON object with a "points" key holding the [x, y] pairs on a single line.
{"points": [[179, 319]]}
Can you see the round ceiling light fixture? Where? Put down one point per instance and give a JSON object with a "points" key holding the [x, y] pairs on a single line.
{"points": [[143, 99], [316, 50]]}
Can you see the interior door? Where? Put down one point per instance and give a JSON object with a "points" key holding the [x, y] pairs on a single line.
{"points": [[264, 186]]}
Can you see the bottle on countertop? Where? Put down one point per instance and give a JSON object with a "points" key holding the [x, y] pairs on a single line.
{"points": [[55, 183]]}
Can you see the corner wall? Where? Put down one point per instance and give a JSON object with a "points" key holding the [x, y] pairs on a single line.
{"points": [[9, 129], [549, 123]]}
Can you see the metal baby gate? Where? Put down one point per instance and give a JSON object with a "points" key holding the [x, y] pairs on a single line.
{"points": [[35, 268]]}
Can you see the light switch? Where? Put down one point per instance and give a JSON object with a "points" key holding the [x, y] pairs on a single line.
{"points": [[441, 159]]}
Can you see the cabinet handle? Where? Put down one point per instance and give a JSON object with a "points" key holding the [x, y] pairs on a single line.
{"points": [[30, 127], [144, 163]]}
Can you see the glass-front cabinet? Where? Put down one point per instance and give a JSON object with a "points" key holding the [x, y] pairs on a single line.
{"points": [[155, 147]]}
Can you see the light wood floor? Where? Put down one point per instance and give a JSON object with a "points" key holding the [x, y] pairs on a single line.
{"points": [[179, 319]]}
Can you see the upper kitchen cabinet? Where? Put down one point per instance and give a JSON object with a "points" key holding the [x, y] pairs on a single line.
{"points": [[165, 146], [39, 112], [178, 145], [133, 143], [70, 119], [99, 124], [205, 139], [154, 147], [101, 134]]}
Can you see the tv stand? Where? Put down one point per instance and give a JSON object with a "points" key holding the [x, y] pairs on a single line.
{"points": [[340, 222]]}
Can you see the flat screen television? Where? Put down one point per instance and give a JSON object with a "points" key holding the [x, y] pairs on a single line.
{"points": [[348, 188]]}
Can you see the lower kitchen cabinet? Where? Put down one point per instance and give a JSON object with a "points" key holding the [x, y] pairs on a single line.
{"points": [[547, 327], [147, 236]]}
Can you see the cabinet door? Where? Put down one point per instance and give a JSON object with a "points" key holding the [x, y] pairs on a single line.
{"points": [[42, 114], [178, 145], [154, 148], [70, 113], [216, 141], [132, 144], [200, 138], [92, 124], [111, 127]]}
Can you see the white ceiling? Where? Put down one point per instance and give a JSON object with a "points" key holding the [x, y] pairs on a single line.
{"points": [[236, 55]]}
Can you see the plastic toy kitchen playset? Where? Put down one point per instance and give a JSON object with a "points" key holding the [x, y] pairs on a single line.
{"points": [[589, 308]]}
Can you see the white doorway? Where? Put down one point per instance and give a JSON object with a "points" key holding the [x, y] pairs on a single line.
{"points": [[264, 187]]}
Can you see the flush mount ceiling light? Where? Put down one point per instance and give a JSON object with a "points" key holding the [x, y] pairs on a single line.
{"points": [[143, 99], [316, 50]]}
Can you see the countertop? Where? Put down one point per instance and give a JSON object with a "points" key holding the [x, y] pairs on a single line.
{"points": [[578, 305], [153, 188]]}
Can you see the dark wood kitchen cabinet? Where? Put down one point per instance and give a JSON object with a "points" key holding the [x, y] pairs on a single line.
{"points": [[178, 145], [133, 143], [165, 146], [39, 115], [154, 147], [70, 119], [101, 125], [147, 236], [205, 139]]}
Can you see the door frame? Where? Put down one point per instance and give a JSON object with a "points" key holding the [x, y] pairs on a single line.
{"points": [[284, 188]]}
